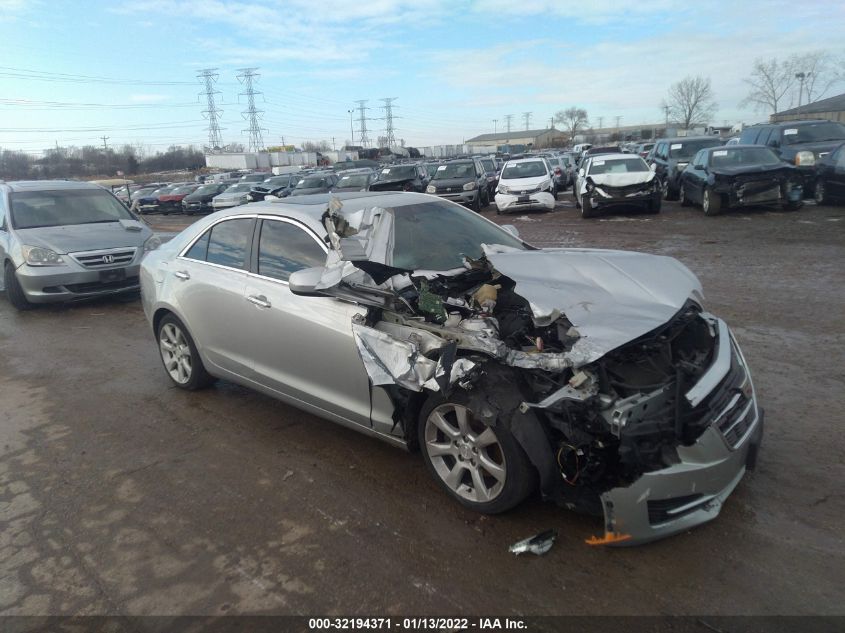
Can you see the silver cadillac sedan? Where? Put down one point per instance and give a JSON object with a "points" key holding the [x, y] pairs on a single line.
{"points": [[63, 241], [594, 376]]}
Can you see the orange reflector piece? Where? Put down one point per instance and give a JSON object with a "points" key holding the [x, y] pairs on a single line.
{"points": [[607, 539]]}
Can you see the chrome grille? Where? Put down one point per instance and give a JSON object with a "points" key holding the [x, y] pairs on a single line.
{"points": [[105, 258]]}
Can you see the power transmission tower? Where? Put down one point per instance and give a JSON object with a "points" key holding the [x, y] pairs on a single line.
{"points": [[601, 122], [526, 116], [247, 76], [390, 138], [508, 119], [495, 122], [208, 77], [362, 123]]}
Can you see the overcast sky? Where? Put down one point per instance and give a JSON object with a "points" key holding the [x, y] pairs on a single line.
{"points": [[73, 71]]}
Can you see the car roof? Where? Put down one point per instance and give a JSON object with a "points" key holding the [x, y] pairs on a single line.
{"points": [[793, 123], [616, 156], [681, 139], [529, 159], [50, 185], [736, 146]]}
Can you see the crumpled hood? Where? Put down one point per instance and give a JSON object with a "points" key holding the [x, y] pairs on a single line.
{"points": [[745, 170], [231, 196], [611, 297], [622, 179], [85, 237]]}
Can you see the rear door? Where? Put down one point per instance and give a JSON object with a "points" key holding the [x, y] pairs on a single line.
{"points": [[836, 181], [209, 279], [302, 347]]}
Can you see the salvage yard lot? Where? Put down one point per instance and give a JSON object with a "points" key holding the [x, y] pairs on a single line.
{"points": [[121, 494]]}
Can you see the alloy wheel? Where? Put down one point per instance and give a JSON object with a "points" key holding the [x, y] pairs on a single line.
{"points": [[705, 201], [176, 353], [818, 194], [465, 453]]}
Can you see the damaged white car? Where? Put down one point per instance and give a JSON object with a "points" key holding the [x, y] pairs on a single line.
{"points": [[595, 376], [616, 180]]}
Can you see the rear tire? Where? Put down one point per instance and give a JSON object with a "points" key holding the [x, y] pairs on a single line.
{"points": [[179, 355], [587, 211], [14, 292], [668, 192], [476, 204], [711, 202], [483, 468]]}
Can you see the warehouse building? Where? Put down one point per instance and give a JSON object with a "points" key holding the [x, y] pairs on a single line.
{"points": [[533, 138], [832, 108]]}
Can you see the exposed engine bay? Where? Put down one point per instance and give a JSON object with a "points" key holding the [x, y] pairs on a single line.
{"points": [[596, 394]]}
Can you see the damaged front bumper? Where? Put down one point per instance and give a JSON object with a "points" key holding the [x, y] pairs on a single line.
{"points": [[601, 197], [762, 193], [691, 492], [509, 202]]}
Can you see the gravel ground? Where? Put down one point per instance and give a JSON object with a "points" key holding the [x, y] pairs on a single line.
{"points": [[122, 495]]}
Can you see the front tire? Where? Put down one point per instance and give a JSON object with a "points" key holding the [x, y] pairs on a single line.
{"points": [[685, 202], [668, 192], [820, 193], [179, 355], [711, 203], [14, 291], [481, 467]]}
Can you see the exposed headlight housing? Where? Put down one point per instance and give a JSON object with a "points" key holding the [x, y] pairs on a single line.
{"points": [[504, 189], [805, 159], [431, 189], [152, 243], [37, 256], [470, 186]]}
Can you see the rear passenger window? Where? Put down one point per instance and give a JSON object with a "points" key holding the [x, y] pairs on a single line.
{"points": [[224, 243], [284, 248]]}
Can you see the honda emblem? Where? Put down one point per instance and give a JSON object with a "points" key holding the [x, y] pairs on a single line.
{"points": [[108, 259]]}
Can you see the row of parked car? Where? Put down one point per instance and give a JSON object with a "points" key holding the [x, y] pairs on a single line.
{"points": [[768, 164]]}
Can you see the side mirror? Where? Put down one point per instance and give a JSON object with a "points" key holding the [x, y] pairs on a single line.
{"points": [[303, 282], [653, 167], [581, 172], [510, 228]]}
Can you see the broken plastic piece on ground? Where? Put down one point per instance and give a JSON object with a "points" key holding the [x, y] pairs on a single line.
{"points": [[608, 539], [538, 544]]}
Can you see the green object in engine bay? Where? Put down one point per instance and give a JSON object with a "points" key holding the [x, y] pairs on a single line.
{"points": [[430, 303]]}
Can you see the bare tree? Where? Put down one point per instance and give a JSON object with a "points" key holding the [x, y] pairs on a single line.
{"points": [[572, 119], [769, 82], [691, 101], [820, 73]]}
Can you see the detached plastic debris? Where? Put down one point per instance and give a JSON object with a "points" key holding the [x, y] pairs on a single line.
{"points": [[538, 544]]}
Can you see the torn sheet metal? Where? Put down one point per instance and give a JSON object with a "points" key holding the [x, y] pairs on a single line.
{"points": [[611, 297], [390, 359], [538, 544]]}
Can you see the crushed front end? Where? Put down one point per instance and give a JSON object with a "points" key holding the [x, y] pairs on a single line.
{"points": [[629, 400]]}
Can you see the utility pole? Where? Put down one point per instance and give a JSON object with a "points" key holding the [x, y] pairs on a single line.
{"points": [[601, 122], [247, 76], [526, 116], [551, 123], [208, 77], [362, 122], [666, 111], [351, 130], [390, 138], [495, 121], [105, 146]]}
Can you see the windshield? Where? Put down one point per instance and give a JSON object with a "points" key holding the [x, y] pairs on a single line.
{"points": [[743, 156], [554, 161], [617, 166], [530, 169], [241, 186], [32, 209], [142, 192], [396, 173], [357, 180], [687, 149], [488, 165], [184, 190], [311, 183], [253, 178], [814, 133], [431, 167], [277, 181], [454, 170], [437, 235]]}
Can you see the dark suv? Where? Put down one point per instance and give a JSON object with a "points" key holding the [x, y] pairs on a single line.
{"points": [[670, 156], [462, 180], [799, 143]]}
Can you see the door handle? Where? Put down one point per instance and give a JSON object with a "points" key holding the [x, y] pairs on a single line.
{"points": [[182, 274], [259, 300]]}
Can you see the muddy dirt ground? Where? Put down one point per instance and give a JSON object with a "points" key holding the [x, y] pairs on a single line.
{"points": [[120, 494]]}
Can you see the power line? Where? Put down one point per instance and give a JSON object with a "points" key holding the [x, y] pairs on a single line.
{"points": [[362, 123], [209, 77], [251, 114], [390, 138], [42, 75]]}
